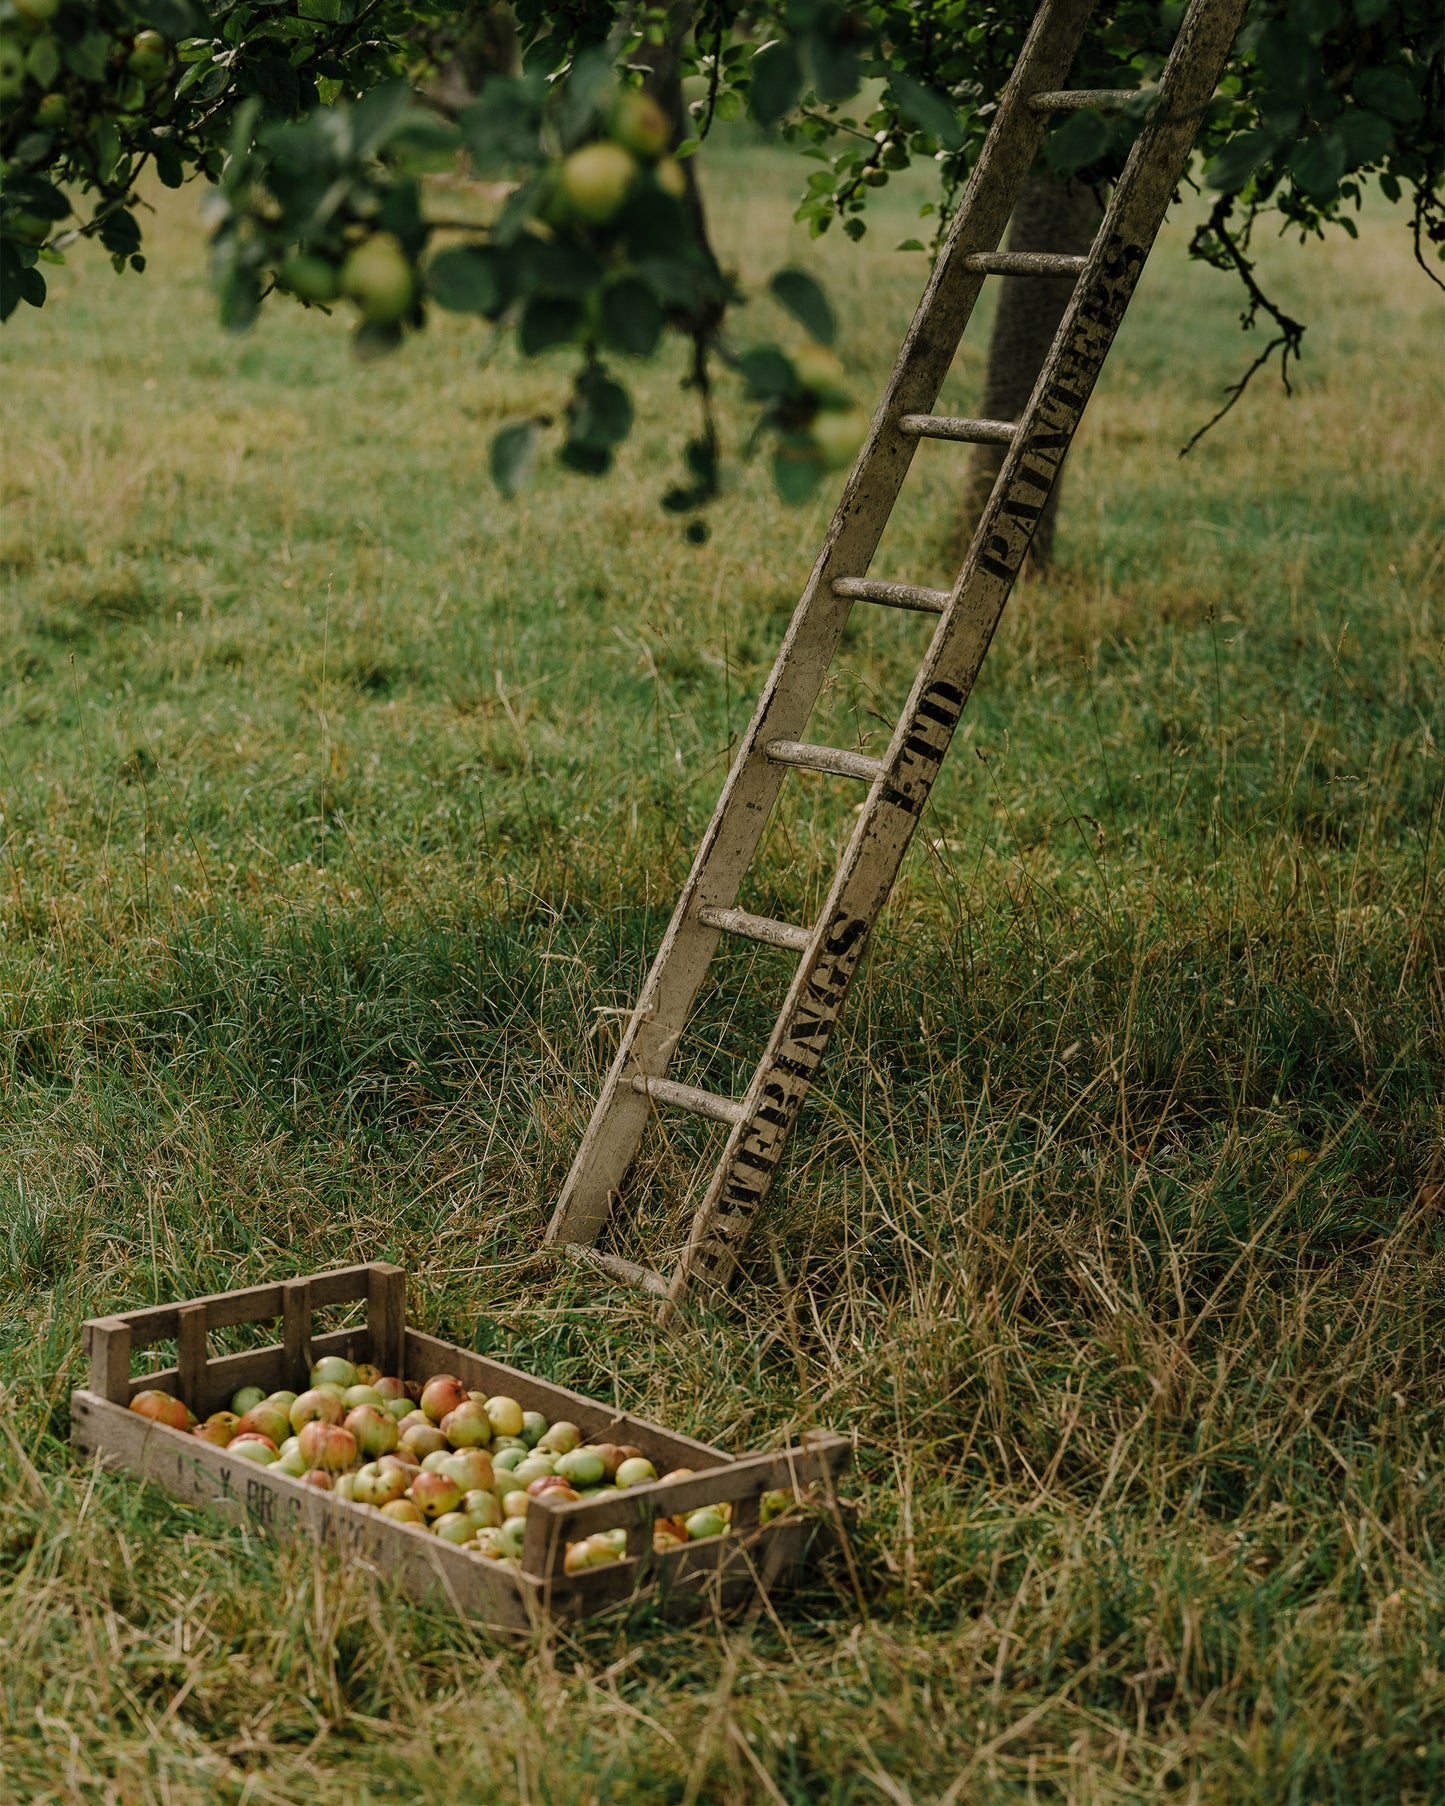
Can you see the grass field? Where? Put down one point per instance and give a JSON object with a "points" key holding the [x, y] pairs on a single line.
{"points": [[343, 805]]}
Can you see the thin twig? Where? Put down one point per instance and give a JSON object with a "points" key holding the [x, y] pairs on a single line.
{"points": [[1290, 338]]}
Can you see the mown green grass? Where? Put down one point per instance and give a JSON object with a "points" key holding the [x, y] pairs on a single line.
{"points": [[343, 806]]}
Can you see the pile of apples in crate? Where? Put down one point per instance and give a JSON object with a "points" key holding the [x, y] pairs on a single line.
{"points": [[454, 1462]]}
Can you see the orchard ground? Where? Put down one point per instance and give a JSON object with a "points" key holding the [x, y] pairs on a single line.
{"points": [[344, 804]]}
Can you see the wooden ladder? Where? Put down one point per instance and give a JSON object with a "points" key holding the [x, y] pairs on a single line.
{"points": [[829, 950]]}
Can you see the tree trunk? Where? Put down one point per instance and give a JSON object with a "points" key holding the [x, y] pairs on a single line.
{"points": [[1050, 215]]}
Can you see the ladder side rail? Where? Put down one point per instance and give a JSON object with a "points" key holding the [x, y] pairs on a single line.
{"points": [[925, 729], [650, 1037]]}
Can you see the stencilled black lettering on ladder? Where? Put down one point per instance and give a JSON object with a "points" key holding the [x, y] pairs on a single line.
{"points": [[1095, 321]]}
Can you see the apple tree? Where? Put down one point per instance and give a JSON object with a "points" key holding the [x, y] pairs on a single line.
{"points": [[329, 134]]}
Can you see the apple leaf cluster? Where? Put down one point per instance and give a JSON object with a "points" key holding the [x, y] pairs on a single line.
{"points": [[332, 154]]}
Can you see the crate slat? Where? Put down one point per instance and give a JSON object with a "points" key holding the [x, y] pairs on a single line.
{"points": [[251, 1304]]}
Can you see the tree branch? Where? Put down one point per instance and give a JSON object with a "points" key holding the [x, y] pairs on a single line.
{"points": [[1290, 338]]}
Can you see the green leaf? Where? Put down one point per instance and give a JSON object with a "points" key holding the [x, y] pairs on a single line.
{"points": [[590, 460], [776, 83], [42, 63], [927, 111], [513, 452], [376, 115], [1387, 91], [1289, 62], [272, 80], [767, 373], [1370, 12], [630, 317], [910, 244], [599, 413], [1245, 153], [1316, 17], [120, 234], [1317, 165], [548, 320], [543, 266], [173, 19], [89, 57], [1081, 140], [471, 280], [797, 471], [1367, 137], [805, 301], [502, 128]]}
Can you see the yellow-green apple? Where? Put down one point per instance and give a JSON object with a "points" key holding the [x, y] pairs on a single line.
{"points": [[534, 1428], [505, 1415], [271, 1420], [822, 375], [637, 1470], [467, 1427], [470, 1468], [839, 434], [433, 1494], [483, 1508], [670, 177], [318, 1405], [242, 1401], [596, 180], [327, 1445], [402, 1511], [333, 1370], [708, 1521], [639, 124], [254, 1448], [147, 59], [582, 1467], [533, 1468], [374, 1429], [455, 1527], [560, 1438], [378, 277], [423, 1439]]}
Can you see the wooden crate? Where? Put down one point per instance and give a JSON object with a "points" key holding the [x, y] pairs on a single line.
{"points": [[715, 1575]]}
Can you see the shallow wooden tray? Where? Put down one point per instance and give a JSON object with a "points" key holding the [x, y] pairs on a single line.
{"points": [[720, 1574]]}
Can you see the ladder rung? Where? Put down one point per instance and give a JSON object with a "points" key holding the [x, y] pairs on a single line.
{"points": [[1074, 100], [756, 928], [831, 759], [950, 426], [647, 1279], [1025, 263], [895, 595], [688, 1097]]}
